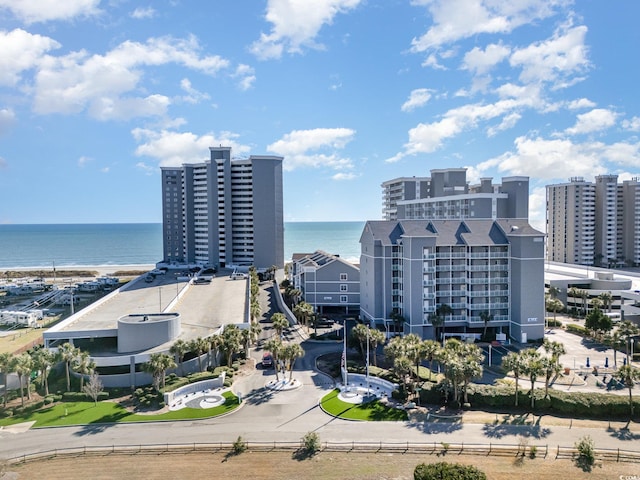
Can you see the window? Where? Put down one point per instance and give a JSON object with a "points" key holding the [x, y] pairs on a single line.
{"points": [[344, 277], [344, 288], [343, 299]]}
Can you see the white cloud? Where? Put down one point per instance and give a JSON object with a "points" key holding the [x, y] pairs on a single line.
{"points": [[417, 98], [100, 83], [143, 12], [306, 148], [555, 60], [175, 148], [344, 176], [581, 103], [457, 19], [246, 76], [295, 24], [481, 61], [82, 161], [508, 121], [193, 96], [594, 121], [429, 137], [546, 159], [21, 51], [633, 124], [538, 208], [32, 11], [7, 117]]}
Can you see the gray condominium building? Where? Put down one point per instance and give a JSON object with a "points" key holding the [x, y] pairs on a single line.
{"points": [[594, 223], [472, 275], [224, 212], [447, 195]]}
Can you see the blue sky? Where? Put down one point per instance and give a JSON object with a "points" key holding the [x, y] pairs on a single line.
{"points": [[95, 95]]}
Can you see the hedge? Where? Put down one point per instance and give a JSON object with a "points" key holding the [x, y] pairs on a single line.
{"points": [[578, 329], [447, 471], [578, 404]]}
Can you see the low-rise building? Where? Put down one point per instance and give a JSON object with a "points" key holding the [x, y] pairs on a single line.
{"points": [[327, 282]]}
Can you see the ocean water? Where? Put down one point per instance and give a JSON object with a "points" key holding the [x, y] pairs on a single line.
{"points": [[141, 243]]}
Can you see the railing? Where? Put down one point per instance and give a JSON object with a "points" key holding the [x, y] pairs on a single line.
{"points": [[433, 448]]}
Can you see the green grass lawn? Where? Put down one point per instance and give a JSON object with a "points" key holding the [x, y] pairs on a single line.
{"points": [[86, 413], [371, 411]]}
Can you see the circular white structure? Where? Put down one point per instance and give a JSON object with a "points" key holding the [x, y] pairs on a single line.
{"points": [[283, 384], [138, 332], [357, 395]]}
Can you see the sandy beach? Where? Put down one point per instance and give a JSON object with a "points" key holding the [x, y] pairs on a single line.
{"points": [[101, 270]]}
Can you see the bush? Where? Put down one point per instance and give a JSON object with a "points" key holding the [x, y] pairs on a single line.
{"points": [[586, 453], [447, 471], [239, 446], [554, 323], [577, 329], [311, 443]]}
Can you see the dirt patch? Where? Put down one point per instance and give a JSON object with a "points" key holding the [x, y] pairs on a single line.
{"points": [[290, 465]]}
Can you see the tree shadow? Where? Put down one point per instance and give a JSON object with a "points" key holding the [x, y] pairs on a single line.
{"points": [[623, 433], [519, 425], [258, 396], [303, 454], [430, 423]]}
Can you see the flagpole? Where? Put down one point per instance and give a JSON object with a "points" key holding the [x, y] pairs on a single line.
{"points": [[345, 377], [367, 365]]}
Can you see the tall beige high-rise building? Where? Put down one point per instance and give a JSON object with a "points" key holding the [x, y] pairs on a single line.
{"points": [[594, 223]]}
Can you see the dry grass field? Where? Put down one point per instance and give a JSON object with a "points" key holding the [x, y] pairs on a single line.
{"points": [[279, 465]]}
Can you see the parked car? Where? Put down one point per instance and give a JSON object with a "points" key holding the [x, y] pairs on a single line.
{"points": [[267, 360]]}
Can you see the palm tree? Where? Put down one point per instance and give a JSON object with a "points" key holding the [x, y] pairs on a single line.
{"points": [[431, 349], [512, 362], [554, 291], [397, 319], [84, 366], [5, 367], [627, 330], [199, 346], [43, 360], [550, 369], [290, 353], [554, 305], [67, 354], [533, 367], [451, 358], [573, 292], [628, 375], [486, 317], [157, 366], [555, 349], [22, 365], [274, 345], [215, 342], [231, 342], [376, 337], [606, 298], [584, 295], [616, 342], [280, 323], [360, 333], [472, 358], [179, 349], [245, 339], [442, 311], [254, 332], [255, 310]]}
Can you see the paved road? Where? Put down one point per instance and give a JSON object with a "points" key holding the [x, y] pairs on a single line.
{"points": [[288, 415]]}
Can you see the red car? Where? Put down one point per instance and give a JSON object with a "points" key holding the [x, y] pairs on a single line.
{"points": [[267, 360]]}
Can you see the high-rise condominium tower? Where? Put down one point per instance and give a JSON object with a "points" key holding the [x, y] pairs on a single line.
{"points": [[224, 212]]}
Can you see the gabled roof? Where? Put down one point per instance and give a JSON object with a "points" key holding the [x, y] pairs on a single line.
{"points": [[319, 259], [451, 232]]}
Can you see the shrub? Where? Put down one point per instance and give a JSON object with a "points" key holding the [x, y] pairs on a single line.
{"points": [[235, 366], [311, 443], [533, 451], [554, 323], [586, 453], [239, 446], [447, 471], [577, 329]]}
